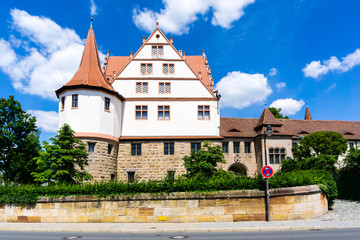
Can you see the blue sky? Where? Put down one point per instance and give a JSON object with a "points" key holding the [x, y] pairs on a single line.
{"points": [[280, 53]]}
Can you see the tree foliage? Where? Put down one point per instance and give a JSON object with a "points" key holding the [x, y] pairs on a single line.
{"points": [[277, 113], [322, 142], [19, 142], [64, 160], [204, 161]]}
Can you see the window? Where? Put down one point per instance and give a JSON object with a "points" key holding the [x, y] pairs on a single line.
{"points": [[163, 112], [146, 68], [136, 149], [168, 68], [110, 147], [112, 176], [164, 87], [276, 155], [247, 147], [107, 104], [168, 148], [157, 50], [225, 147], [131, 177], [351, 145], [141, 87], [170, 176], [236, 147], [195, 147], [91, 147], [141, 112], [62, 103], [204, 112], [74, 101]]}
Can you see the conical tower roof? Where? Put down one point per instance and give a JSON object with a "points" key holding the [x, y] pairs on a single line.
{"points": [[307, 114], [89, 74]]}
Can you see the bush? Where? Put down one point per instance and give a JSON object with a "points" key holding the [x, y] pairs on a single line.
{"points": [[221, 180], [349, 176], [320, 162]]}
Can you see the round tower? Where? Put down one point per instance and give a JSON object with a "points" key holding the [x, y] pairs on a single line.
{"points": [[92, 107]]}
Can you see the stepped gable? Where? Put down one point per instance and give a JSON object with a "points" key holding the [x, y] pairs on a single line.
{"points": [[197, 63], [307, 114], [89, 74]]}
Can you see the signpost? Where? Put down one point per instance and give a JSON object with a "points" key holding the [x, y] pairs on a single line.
{"points": [[267, 171]]}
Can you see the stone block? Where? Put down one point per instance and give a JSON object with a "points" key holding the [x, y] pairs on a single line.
{"points": [[162, 212], [94, 204], [195, 211], [192, 203], [281, 208], [178, 211], [188, 219], [169, 204], [241, 217], [79, 205], [95, 220], [109, 219], [22, 219], [66, 205], [251, 201], [235, 210], [214, 211], [207, 203], [46, 205], [12, 219], [132, 212], [49, 219], [115, 212], [278, 200], [251, 210], [206, 219], [224, 218], [173, 219], [280, 217], [224, 202], [146, 211], [258, 217], [139, 219], [81, 219], [34, 219]]}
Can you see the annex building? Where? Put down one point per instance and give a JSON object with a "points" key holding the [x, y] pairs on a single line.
{"points": [[140, 114]]}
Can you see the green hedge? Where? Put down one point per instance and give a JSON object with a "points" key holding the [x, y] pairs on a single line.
{"points": [[221, 181]]}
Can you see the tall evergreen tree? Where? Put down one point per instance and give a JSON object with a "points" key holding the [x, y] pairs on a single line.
{"points": [[19, 142]]}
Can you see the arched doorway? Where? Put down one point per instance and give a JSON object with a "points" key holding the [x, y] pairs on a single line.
{"points": [[238, 168]]}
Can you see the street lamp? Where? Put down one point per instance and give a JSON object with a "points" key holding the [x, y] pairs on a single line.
{"points": [[268, 133]]}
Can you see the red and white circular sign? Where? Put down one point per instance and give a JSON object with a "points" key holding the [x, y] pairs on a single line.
{"points": [[267, 171]]}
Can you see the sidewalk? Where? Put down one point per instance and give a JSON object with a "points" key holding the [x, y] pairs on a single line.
{"points": [[345, 215]]}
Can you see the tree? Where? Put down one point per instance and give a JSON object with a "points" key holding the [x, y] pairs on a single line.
{"points": [[19, 142], [277, 113], [64, 161], [323, 142], [318, 150], [204, 161]]}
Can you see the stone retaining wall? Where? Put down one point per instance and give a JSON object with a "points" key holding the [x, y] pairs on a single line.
{"points": [[294, 203]]}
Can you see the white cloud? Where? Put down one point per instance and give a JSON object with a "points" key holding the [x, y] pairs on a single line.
{"points": [[240, 90], [288, 106], [46, 120], [281, 85], [315, 69], [178, 15], [52, 54], [273, 72], [93, 8]]}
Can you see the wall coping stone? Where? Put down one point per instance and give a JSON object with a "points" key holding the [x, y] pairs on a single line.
{"points": [[254, 193]]}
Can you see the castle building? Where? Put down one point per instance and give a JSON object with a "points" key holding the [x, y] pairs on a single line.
{"points": [[140, 114]]}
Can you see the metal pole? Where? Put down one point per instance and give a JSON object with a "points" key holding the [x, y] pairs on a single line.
{"points": [[267, 200]]}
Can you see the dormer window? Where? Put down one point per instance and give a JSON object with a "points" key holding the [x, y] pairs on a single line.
{"points": [[146, 68], [157, 51], [168, 68]]}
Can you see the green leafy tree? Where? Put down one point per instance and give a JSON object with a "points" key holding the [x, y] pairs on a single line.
{"points": [[277, 113], [19, 142], [63, 161], [323, 142], [204, 161]]}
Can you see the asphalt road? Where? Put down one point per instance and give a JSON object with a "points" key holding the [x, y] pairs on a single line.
{"points": [[298, 235]]}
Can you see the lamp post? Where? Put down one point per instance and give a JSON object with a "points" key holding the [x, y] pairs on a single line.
{"points": [[268, 133]]}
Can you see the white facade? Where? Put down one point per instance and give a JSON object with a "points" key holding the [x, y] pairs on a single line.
{"points": [[90, 115]]}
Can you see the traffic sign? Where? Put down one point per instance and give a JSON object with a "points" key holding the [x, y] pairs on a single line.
{"points": [[267, 171]]}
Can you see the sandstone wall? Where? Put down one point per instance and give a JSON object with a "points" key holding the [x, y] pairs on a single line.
{"points": [[225, 206]]}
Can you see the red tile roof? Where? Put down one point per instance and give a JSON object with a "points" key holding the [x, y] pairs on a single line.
{"points": [[197, 63], [89, 72], [115, 64], [245, 127], [307, 114]]}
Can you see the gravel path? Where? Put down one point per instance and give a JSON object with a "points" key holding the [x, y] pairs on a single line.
{"points": [[343, 210]]}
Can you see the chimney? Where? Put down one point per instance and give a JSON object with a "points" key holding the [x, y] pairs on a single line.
{"points": [[131, 54], [143, 39], [171, 39]]}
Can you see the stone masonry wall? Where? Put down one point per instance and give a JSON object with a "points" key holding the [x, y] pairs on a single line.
{"points": [[225, 206], [102, 165]]}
